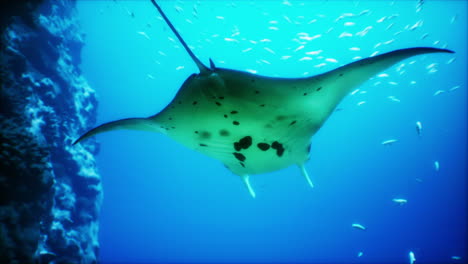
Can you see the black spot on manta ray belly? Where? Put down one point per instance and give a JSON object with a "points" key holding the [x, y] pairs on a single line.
{"points": [[243, 143], [237, 146], [263, 146], [205, 135], [239, 156], [279, 148], [224, 133]]}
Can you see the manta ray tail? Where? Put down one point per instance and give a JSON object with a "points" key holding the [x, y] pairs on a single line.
{"points": [[129, 123], [200, 65]]}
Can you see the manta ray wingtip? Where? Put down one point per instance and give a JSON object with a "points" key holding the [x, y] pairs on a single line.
{"points": [[143, 124], [76, 142], [431, 49], [443, 50], [82, 137]]}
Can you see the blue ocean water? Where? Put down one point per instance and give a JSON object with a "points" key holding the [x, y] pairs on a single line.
{"points": [[167, 203]]}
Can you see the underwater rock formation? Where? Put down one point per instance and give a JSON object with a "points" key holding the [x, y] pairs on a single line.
{"points": [[50, 191]]}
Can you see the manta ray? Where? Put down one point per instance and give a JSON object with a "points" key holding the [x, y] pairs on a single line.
{"points": [[255, 124]]}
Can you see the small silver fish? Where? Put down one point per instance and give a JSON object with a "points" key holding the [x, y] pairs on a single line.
{"points": [[394, 99], [438, 92], [143, 34], [454, 88], [358, 226], [389, 142], [400, 201], [412, 258], [418, 128]]}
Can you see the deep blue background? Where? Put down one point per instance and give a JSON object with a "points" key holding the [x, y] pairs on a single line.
{"points": [[164, 202]]}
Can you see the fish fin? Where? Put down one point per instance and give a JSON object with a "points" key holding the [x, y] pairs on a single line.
{"points": [[245, 179], [145, 124], [305, 174]]}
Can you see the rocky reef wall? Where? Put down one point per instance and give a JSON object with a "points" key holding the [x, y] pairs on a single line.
{"points": [[50, 191]]}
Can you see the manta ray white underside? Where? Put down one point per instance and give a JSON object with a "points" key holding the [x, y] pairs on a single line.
{"points": [[255, 124]]}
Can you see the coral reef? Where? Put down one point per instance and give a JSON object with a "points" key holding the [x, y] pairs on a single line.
{"points": [[50, 191]]}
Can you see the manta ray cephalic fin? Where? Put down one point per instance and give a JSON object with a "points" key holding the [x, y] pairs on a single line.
{"points": [[305, 174], [245, 179]]}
